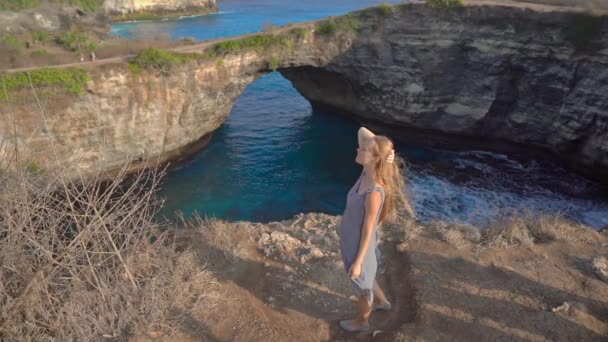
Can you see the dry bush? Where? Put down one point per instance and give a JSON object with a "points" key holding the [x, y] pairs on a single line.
{"points": [[527, 229], [86, 262], [403, 229], [509, 232], [457, 235]]}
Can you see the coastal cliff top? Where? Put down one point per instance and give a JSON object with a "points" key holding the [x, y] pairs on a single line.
{"points": [[526, 279], [593, 6]]}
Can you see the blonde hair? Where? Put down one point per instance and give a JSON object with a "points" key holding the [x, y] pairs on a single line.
{"points": [[392, 178]]}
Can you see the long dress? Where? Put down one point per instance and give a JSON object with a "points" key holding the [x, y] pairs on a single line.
{"points": [[350, 237]]}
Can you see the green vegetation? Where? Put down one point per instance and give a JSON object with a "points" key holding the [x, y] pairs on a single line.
{"points": [[161, 60], [298, 32], [583, 32], [85, 5], [71, 79], [385, 9], [274, 63], [33, 167], [12, 41], [77, 41], [40, 52], [42, 37], [259, 43], [444, 4], [17, 5], [343, 24]]}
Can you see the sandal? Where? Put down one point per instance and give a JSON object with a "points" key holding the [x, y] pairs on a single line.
{"points": [[350, 326], [383, 307]]}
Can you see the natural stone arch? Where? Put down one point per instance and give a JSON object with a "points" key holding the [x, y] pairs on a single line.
{"points": [[480, 72]]}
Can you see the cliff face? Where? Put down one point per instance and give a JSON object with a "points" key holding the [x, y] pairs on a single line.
{"points": [[495, 73], [480, 72], [124, 116], [126, 9]]}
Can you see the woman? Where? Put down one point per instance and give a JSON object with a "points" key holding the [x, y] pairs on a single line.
{"points": [[376, 196]]}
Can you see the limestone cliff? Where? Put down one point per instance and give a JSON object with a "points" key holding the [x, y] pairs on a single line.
{"points": [[482, 73], [126, 9]]}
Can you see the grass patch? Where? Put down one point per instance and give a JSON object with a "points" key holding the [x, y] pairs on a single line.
{"points": [[18, 5], [160, 60], [76, 41], [344, 24], [86, 5], [385, 9], [40, 52], [583, 32], [298, 32], [259, 43], [10, 40], [444, 4], [71, 79]]}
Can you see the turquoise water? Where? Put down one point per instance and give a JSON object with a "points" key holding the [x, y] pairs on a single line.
{"points": [[275, 157], [238, 17]]}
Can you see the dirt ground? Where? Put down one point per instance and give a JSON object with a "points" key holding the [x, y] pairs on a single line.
{"points": [[284, 281], [54, 54]]}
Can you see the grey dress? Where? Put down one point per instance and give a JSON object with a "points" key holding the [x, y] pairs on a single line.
{"points": [[350, 237]]}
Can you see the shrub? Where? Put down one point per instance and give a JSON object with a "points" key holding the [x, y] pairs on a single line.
{"points": [[41, 36], [298, 32], [385, 9], [11, 41], [71, 79], [346, 24], [87, 262], [260, 43], [444, 4], [274, 63], [73, 40], [326, 28], [161, 60]]}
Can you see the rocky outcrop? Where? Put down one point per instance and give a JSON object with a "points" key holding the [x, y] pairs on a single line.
{"points": [[494, 73], [125, 9], [50, 18]]}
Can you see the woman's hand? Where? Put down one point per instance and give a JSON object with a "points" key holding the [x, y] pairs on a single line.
{"points": [[355, 270]]}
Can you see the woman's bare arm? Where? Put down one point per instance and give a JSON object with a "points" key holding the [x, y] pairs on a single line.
{"points": [[363, 135]]}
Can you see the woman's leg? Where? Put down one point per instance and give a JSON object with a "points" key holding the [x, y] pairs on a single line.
{"points": [[361, 322], [365, 309], [379, 294]]}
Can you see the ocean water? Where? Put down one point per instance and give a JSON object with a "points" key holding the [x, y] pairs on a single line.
{"points": [[275, 157]]}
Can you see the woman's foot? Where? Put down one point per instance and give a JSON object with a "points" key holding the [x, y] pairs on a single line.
{"points": [[353, 325], [386, 306]]}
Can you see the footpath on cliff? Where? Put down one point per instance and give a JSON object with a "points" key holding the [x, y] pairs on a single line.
{"points": [[114, 49], [523, 280]]}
